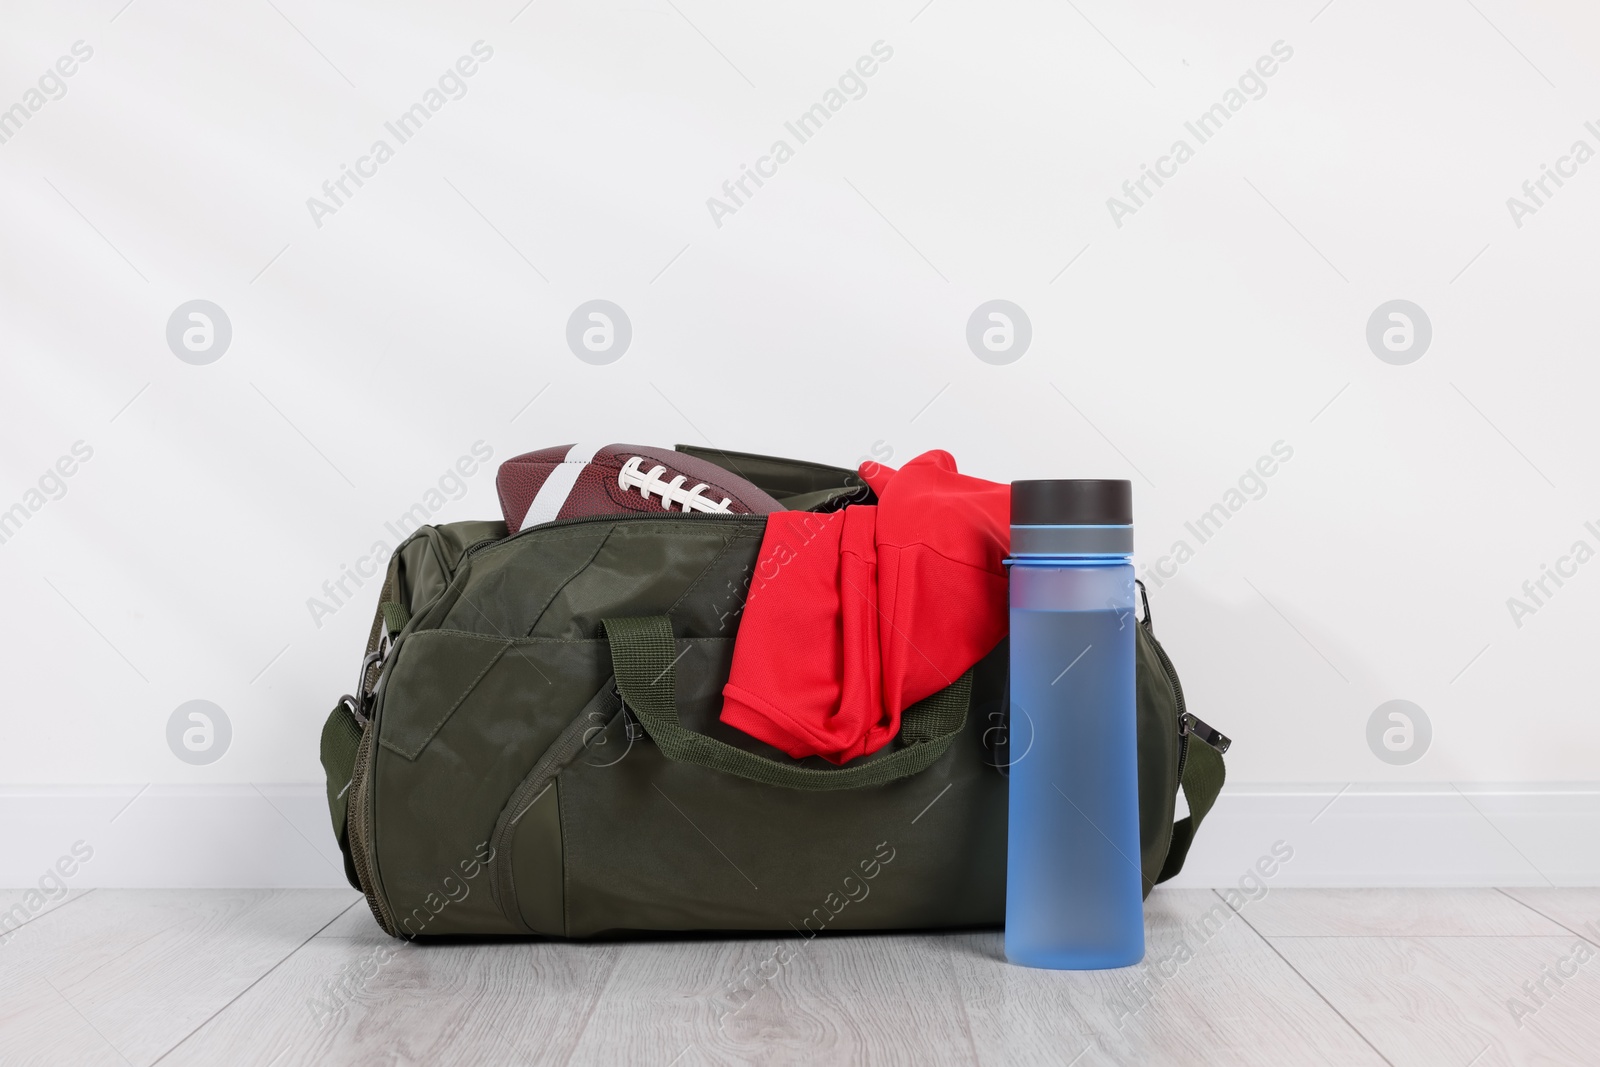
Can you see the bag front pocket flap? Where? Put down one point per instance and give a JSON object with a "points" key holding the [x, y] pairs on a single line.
{"points": [[436, 670]]}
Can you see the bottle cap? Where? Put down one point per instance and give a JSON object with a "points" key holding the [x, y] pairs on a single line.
{"points": [[1072, 502]]}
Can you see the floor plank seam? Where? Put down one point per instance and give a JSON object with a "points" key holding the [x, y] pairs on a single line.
{"points": [[1376, 956], [43, 915], [259, 979], [1576, 933], [130, 948], [79, 1013], [1309, 984]]}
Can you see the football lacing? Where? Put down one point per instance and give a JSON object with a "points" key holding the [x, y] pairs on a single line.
{"points": [[673, 492]]}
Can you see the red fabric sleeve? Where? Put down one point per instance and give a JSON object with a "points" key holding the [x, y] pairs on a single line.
{"points": [[805, 676]]}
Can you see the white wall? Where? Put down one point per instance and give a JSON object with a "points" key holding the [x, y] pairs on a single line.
{"points": [[826, 317]]}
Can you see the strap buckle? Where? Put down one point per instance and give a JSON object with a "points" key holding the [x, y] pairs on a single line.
{"points": [[354, 705], [1191, 724], [360, 705]]}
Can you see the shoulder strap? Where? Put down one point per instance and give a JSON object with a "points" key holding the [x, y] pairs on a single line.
{"points": [[1203, 775]]}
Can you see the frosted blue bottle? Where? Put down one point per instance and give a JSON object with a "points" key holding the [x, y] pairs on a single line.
{"points": [[1073, 894]]}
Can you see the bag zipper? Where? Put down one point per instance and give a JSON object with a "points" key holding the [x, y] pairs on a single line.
{"points": [[1177, 691], [364, 710], [1189, 724], [356, 820], [1194, 725], [625, 516], [572, 740]]}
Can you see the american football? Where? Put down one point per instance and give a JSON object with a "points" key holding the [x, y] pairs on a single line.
{"points": [[581, 480]]}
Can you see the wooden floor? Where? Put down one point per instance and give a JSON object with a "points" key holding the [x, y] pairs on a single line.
{"points": [[1461, 978]]}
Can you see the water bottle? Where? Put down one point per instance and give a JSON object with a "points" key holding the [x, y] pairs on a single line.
{"points": [[1073, 894]]}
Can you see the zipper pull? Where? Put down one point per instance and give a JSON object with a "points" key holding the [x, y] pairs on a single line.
{"points": [[1189, 723], [632, 728]]}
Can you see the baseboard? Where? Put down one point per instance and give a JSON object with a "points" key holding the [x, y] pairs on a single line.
{"points": [[1357, 835], [170, 836], [1434, 834]]}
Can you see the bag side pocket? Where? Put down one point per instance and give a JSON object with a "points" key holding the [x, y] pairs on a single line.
{"points": [[529, 873]]}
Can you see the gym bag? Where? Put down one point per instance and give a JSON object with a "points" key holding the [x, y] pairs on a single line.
{"points": [[534, 747]]}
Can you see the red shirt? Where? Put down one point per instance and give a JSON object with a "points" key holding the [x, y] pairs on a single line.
{"points": [[855, 615]]}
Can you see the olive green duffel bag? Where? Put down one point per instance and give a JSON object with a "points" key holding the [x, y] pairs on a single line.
{"points": [[534, 748]]}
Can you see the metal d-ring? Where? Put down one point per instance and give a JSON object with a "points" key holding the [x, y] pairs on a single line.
{"points": [[355, 709], [362, 696]]}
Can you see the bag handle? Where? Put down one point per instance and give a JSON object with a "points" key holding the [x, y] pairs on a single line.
{"points": [[644, 656]]}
